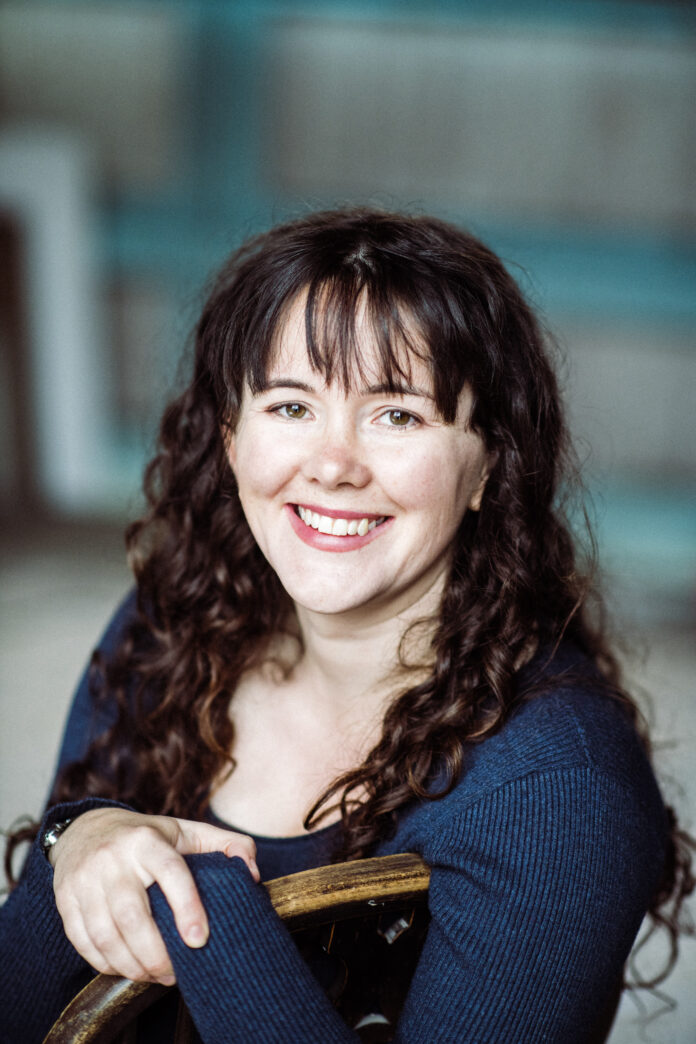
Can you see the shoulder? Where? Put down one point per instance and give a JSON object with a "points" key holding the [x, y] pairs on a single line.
{"points": [[573, 723], [132, 621], [90, 717], [567, 764]]}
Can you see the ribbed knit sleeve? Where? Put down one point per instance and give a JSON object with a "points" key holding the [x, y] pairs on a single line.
{"points": [[40, 970], [248, 983], [536, 896]]}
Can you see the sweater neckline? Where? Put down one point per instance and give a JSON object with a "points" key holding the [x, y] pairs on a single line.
{"points": [[296, 839]]}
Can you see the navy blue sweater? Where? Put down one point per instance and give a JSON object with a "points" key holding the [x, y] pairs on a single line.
{"points": [[544, 858]]}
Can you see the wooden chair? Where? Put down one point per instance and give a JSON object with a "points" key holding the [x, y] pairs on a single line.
{"points": [[364, 921]]}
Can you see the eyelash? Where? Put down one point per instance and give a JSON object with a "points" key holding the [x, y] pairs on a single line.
{"points": [[286, 406], [413, 419]]}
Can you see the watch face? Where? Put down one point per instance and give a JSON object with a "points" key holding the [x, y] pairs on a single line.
{"points": [[53, 833]]}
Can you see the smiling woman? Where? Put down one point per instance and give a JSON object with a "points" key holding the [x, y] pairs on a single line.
{"points": [[360, 626]]}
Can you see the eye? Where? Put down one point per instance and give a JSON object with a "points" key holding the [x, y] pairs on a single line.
{"points": [[291, 410], [396, 418]]}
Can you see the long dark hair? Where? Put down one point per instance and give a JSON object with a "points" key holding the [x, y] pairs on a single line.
{"points": [[210, 603]]}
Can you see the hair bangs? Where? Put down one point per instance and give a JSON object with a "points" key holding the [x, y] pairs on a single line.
{"points": [[359, 336]]}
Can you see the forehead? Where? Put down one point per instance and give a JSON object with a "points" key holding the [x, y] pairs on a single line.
{"points": [[348, 349]]}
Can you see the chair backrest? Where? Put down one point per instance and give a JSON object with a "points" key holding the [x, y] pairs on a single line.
{"points": [[368, 916]]}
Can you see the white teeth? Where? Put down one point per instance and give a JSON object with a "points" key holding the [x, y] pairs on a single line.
{"points": [[337, 526]]}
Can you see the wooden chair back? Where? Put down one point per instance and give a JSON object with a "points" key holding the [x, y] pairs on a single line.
{"points": [[367, 917]]}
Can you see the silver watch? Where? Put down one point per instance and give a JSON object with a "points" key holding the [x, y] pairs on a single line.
{"points": [[52, 834]]}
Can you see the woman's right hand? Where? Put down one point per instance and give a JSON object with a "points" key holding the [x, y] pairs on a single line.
{"points": [[104, 863]]}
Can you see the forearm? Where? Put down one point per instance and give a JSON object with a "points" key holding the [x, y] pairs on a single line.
{"points": [[249, 982]]}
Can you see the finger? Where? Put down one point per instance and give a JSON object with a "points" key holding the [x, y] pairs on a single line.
{"points": [[197, 837], [244, 847], [120, 940], [76, 932], [105, 937], [169, 870], [132, 917]]}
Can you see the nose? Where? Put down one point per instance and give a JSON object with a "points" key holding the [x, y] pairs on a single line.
{"points": [[336, 459]]}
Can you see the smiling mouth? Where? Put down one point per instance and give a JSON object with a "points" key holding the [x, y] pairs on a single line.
{"points": [[337, 526]]}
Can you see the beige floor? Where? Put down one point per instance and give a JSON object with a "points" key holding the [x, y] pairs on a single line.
{"points": [[58, 586]]}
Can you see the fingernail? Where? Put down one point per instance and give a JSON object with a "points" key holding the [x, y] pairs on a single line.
{"points": [[254, 868], [168, 980], [196, 935]]}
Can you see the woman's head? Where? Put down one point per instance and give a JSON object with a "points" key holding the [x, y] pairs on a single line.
{"points": [[420, 295], [429, 294], [354, 493]]}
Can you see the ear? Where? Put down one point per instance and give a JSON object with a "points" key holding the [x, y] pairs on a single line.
{"points": [[477, 496]]}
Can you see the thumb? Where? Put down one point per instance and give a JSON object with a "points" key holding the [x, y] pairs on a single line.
{"points": [[194, 837]]}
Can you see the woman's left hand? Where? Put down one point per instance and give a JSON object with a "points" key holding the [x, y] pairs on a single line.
{"points": [[104, 863]]}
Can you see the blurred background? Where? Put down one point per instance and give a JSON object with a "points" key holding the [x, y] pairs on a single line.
{"points": [[141, 141]]}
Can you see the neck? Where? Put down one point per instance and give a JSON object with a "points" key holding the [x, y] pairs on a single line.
{"points": [[353, 658]]}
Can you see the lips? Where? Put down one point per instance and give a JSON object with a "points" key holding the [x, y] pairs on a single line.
{"points": [[340, 525]]}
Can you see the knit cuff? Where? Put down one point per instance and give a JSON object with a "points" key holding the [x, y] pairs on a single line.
{"points": [[248, 982]]}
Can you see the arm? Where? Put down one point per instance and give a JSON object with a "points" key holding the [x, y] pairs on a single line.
{"points": [[539, 893], [39, 968], [108, 857], [249, 982], [92, 912], [536, 896]]}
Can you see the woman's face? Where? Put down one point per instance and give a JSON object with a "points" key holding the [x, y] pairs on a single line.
{"points": [[354, 496]]}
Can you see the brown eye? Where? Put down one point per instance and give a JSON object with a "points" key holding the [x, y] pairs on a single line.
{"points": [[293, 410], [400, 418]]}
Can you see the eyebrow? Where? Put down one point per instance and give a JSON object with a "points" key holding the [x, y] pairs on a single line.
{"points": [[396, 388], [285, 382]]}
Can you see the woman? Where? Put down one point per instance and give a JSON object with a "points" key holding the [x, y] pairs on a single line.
{"points": [[359, 628]]}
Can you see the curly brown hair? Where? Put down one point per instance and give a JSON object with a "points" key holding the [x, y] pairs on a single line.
{"points": [[209, 603]]}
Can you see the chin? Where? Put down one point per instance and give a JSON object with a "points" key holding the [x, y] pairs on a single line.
{"points": [[331, 600], [329, 605]]}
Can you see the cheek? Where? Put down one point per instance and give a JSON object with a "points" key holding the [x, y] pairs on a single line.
{"points": [[438, 483], [260, 465]]}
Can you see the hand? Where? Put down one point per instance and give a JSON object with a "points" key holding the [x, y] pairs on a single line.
{"points": [[103, 864]]}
